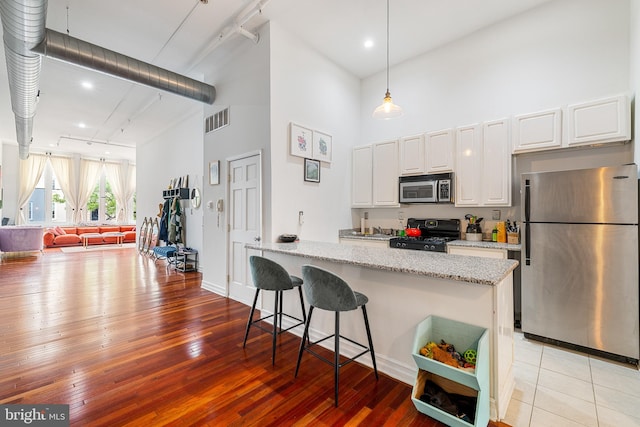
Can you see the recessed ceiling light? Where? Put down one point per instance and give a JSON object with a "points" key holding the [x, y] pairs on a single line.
{"points": [[82, 125], [87, 85], [368, 44]]}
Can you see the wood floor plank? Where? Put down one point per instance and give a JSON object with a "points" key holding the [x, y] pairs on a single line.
{"points": [[125, 341]]}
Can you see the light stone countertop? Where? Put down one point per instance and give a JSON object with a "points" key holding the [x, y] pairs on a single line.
{"points": [[485, 245], [484, 271]]}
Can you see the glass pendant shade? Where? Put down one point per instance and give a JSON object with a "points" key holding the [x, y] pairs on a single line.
{"points": [[387, 110]]}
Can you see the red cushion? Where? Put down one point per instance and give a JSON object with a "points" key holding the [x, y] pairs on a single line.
{"points": [[67, 239], [48, 238], [69, 230], [115, 229], [85, 230]]}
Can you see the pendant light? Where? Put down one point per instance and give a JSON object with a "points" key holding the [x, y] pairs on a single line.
{"points": [[388, 110]]}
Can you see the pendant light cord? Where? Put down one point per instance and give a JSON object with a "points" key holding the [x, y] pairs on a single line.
{"points": [[387, 46]]}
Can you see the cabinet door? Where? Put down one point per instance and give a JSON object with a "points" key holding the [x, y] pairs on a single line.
{"points": [[385, 173], [537, 131], [439, 147], [604, 120], [362, 176], [468, 165], [481, 252], [412, 155], [496, 160]]}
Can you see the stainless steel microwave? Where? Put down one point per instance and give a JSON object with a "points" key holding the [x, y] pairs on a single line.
{"points": [[427, 188]]}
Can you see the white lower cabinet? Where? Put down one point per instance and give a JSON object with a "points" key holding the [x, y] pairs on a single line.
{"points": [[481, 252], [374, 178]]}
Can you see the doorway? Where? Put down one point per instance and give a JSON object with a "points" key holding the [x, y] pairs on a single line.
{"points": [[245, 222]]}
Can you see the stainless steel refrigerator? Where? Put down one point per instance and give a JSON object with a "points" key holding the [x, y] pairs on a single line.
{"points": [[580, 284]]}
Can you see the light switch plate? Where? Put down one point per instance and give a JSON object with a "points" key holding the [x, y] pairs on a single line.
{"points": [[496, 215]]}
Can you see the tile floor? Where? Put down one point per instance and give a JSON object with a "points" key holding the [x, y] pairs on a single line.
{"points": [[562, 388]]}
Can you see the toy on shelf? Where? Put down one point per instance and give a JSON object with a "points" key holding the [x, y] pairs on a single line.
{"points": [[447, 354]]}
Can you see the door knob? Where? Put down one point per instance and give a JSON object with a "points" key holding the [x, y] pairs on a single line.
{"points": [[257, 239]]}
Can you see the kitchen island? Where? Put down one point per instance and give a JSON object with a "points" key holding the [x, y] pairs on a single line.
{"points": [[404, 287]]}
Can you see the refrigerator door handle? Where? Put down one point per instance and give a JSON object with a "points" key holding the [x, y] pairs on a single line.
{"points": [[527, 229], [527, 244]]}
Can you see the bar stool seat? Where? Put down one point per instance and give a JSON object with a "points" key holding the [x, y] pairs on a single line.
{"points": [[268, 275], [326, 291]]}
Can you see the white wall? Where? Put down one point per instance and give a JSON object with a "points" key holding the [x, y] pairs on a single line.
{"points": [[242, 84], [309, 90], [562, 52], [175, 153]]}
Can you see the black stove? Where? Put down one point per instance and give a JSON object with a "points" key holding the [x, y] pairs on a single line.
{"points": [[435, 233]]}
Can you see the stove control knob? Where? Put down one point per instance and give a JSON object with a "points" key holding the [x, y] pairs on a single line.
{"points": [[404, 245]]}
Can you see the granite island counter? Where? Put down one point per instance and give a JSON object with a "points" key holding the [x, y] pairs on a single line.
{"points": [[404, 287]]}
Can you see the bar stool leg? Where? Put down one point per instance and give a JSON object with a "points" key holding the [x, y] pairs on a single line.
{"points": [[275, 326], [253, 309], [336, 367], [366, 324], [305, 337]]}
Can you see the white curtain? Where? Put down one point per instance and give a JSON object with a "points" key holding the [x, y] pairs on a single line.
{"points": [[119, 176], [30, 171], [89, 173], [64, 168]]}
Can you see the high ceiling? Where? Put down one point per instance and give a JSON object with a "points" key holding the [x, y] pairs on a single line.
{"points": [[185, 37]]}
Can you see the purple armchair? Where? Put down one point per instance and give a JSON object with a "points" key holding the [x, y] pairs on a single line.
{"points": [[21, 238]]}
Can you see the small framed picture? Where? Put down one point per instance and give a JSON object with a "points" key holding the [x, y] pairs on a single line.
{"points": [[214, 172], [312, 170], [321, 146], [301, 141]]}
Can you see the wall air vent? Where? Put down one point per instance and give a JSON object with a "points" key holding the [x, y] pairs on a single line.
{"points": [[216, 121]]}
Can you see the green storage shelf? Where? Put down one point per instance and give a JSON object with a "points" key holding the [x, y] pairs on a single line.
{"points": [[453, 380]]}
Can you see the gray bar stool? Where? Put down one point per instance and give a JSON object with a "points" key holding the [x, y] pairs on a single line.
{"points": [[327, 291], [271, 276]]}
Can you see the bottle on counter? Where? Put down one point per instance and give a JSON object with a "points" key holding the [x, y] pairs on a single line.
{"points": [[494, 233], [364, 223]]}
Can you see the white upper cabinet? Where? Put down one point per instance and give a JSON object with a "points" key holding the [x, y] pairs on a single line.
{"points": [[440, 151], [469, 163], [537, 131], [496, 159], [385, 173], [362, 177], [412, 161], [374, 180], [600, 121]]}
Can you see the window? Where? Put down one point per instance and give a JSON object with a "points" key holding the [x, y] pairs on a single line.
{"points": [[47, 204], [102, 203]]}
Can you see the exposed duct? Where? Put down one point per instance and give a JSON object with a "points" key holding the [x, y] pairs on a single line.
{"points": [[78, 52], [23, 24], [26, 39]]}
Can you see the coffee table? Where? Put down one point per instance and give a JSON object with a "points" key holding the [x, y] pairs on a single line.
{"points": [[119, 236], [86, 236]]}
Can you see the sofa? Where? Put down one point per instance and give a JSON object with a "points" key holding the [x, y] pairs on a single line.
{"points": [[57, 237], [21, 238]]}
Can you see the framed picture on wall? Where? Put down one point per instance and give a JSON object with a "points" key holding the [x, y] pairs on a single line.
{"points": [[214, 172], [321, 146], [301, 141], [311, 170]]}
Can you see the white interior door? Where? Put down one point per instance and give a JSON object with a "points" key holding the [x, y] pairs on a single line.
{"points": [[245, 223]]}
